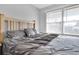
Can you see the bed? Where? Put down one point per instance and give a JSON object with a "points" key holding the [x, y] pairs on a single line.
{"points": [[18, 43], [25, 42]]}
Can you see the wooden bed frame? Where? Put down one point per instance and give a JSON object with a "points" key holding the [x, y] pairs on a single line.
{"points": [[8, 23]]}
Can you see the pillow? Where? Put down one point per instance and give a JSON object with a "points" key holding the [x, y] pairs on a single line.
{"points": [[35, 31], [19, 33], [29, 32], [10, 34]]}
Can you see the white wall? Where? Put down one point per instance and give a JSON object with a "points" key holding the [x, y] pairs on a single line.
{"points": [[42, 22], [24, 11]]}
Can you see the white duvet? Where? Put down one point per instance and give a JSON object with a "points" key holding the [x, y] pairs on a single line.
{"points": [[62, 45]]}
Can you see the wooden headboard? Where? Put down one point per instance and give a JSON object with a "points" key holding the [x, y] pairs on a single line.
{"points": [[11, 24]]}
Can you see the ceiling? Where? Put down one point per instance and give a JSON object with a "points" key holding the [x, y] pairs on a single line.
{"points": [[40, 6]]}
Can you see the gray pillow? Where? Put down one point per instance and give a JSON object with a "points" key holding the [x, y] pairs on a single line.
{"points": [[19, 33], [10, 34], [35, 31], [29, 32]]}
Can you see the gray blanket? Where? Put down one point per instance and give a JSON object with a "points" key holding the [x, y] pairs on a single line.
{"points": [[26, 45]]}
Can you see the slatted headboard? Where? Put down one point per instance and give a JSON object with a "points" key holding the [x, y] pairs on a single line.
{"points": [[11, 24]]}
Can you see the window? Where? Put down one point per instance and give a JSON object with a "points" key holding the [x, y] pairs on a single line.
{"points": [[71, 21], [66, 22], [54, 20]]}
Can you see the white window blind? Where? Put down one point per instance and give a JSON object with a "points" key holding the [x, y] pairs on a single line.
{"points": [[71, 21], [53, 22]]}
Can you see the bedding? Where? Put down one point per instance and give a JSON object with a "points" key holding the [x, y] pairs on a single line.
{"points": [[35, 31], [18, 33], [48, 37], [25, 48], [42, 39], [42, 50], [17, 47], [17, 44], [29, 32], [40, 44], [62, 45]]}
